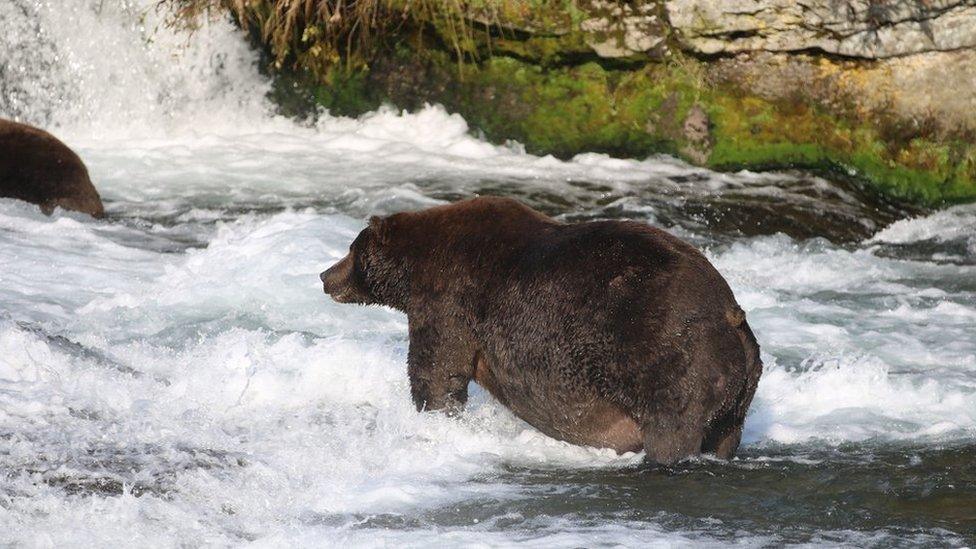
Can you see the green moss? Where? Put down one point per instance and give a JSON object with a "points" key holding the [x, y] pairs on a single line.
{"points": [[542, 50], [566, 110], [756, 134], [502, 97], [343, 92]]}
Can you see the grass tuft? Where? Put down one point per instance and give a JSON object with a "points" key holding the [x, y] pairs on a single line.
{"points": [[319, 35]]}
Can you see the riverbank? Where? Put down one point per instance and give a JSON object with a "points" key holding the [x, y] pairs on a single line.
{"points": [[883, 94]]}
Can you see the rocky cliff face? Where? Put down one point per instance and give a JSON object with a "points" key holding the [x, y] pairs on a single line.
{"points": [[906, 69], [881, 90], [868, 29], [909, 60]]}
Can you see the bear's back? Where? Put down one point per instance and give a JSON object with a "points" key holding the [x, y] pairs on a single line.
{"points": [[616, 258], [595, 307], [36, 167]]}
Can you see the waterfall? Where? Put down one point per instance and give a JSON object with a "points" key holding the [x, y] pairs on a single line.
{"points": [[114, 69]]}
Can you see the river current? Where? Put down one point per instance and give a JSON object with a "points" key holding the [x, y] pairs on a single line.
{"points": [[173, 374]]}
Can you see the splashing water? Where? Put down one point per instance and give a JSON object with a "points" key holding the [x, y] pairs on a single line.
{"points": [[173, 374]]}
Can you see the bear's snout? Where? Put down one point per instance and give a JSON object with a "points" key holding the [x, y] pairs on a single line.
{"points": [[338, 282], [336, 276]]}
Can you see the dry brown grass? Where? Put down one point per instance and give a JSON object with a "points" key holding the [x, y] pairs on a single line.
{"points": [[318, 34]]}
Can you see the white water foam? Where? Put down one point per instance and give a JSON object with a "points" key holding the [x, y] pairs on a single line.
{"points": [[222, 373], [94, 68], [951, 223]]}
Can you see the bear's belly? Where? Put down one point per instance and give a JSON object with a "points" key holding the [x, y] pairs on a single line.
{"points": [[603, 425], [587, 422]]}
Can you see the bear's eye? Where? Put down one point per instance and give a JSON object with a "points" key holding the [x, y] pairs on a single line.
{"points": [[360, 270]]}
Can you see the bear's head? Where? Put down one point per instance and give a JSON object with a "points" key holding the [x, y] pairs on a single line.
{"points": [[372, 272]]}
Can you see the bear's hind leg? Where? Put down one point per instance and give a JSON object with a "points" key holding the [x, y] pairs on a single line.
{"points": [[669, 439], [727, 445], [723, 435]]}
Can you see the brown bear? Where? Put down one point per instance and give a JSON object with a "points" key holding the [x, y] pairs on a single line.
{"points": [[608, 334], [36, 167]]}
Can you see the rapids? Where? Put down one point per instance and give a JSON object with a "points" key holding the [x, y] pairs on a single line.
{"points": [[173, 374]]}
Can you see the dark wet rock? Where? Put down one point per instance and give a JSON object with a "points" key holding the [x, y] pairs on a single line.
{"points": [[38, 168], [113, 468], [90, 355], [793, 203]]}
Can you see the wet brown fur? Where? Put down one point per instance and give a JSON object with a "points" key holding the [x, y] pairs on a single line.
{"points": [[38, 168], [609, 334]]}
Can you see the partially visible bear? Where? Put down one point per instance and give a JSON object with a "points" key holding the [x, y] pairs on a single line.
{"points": [[608, 334], [36, 167]]}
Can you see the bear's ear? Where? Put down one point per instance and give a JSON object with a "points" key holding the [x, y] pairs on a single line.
{"points": [[381, 228]]}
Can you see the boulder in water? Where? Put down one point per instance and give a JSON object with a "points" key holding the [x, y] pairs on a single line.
{"points": [[37, 167]]}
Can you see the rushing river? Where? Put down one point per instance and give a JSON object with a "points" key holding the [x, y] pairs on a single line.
{"points": [[173, 374]]}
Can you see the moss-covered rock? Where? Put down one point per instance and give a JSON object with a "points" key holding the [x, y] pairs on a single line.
{"points": [[674, 108]]}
